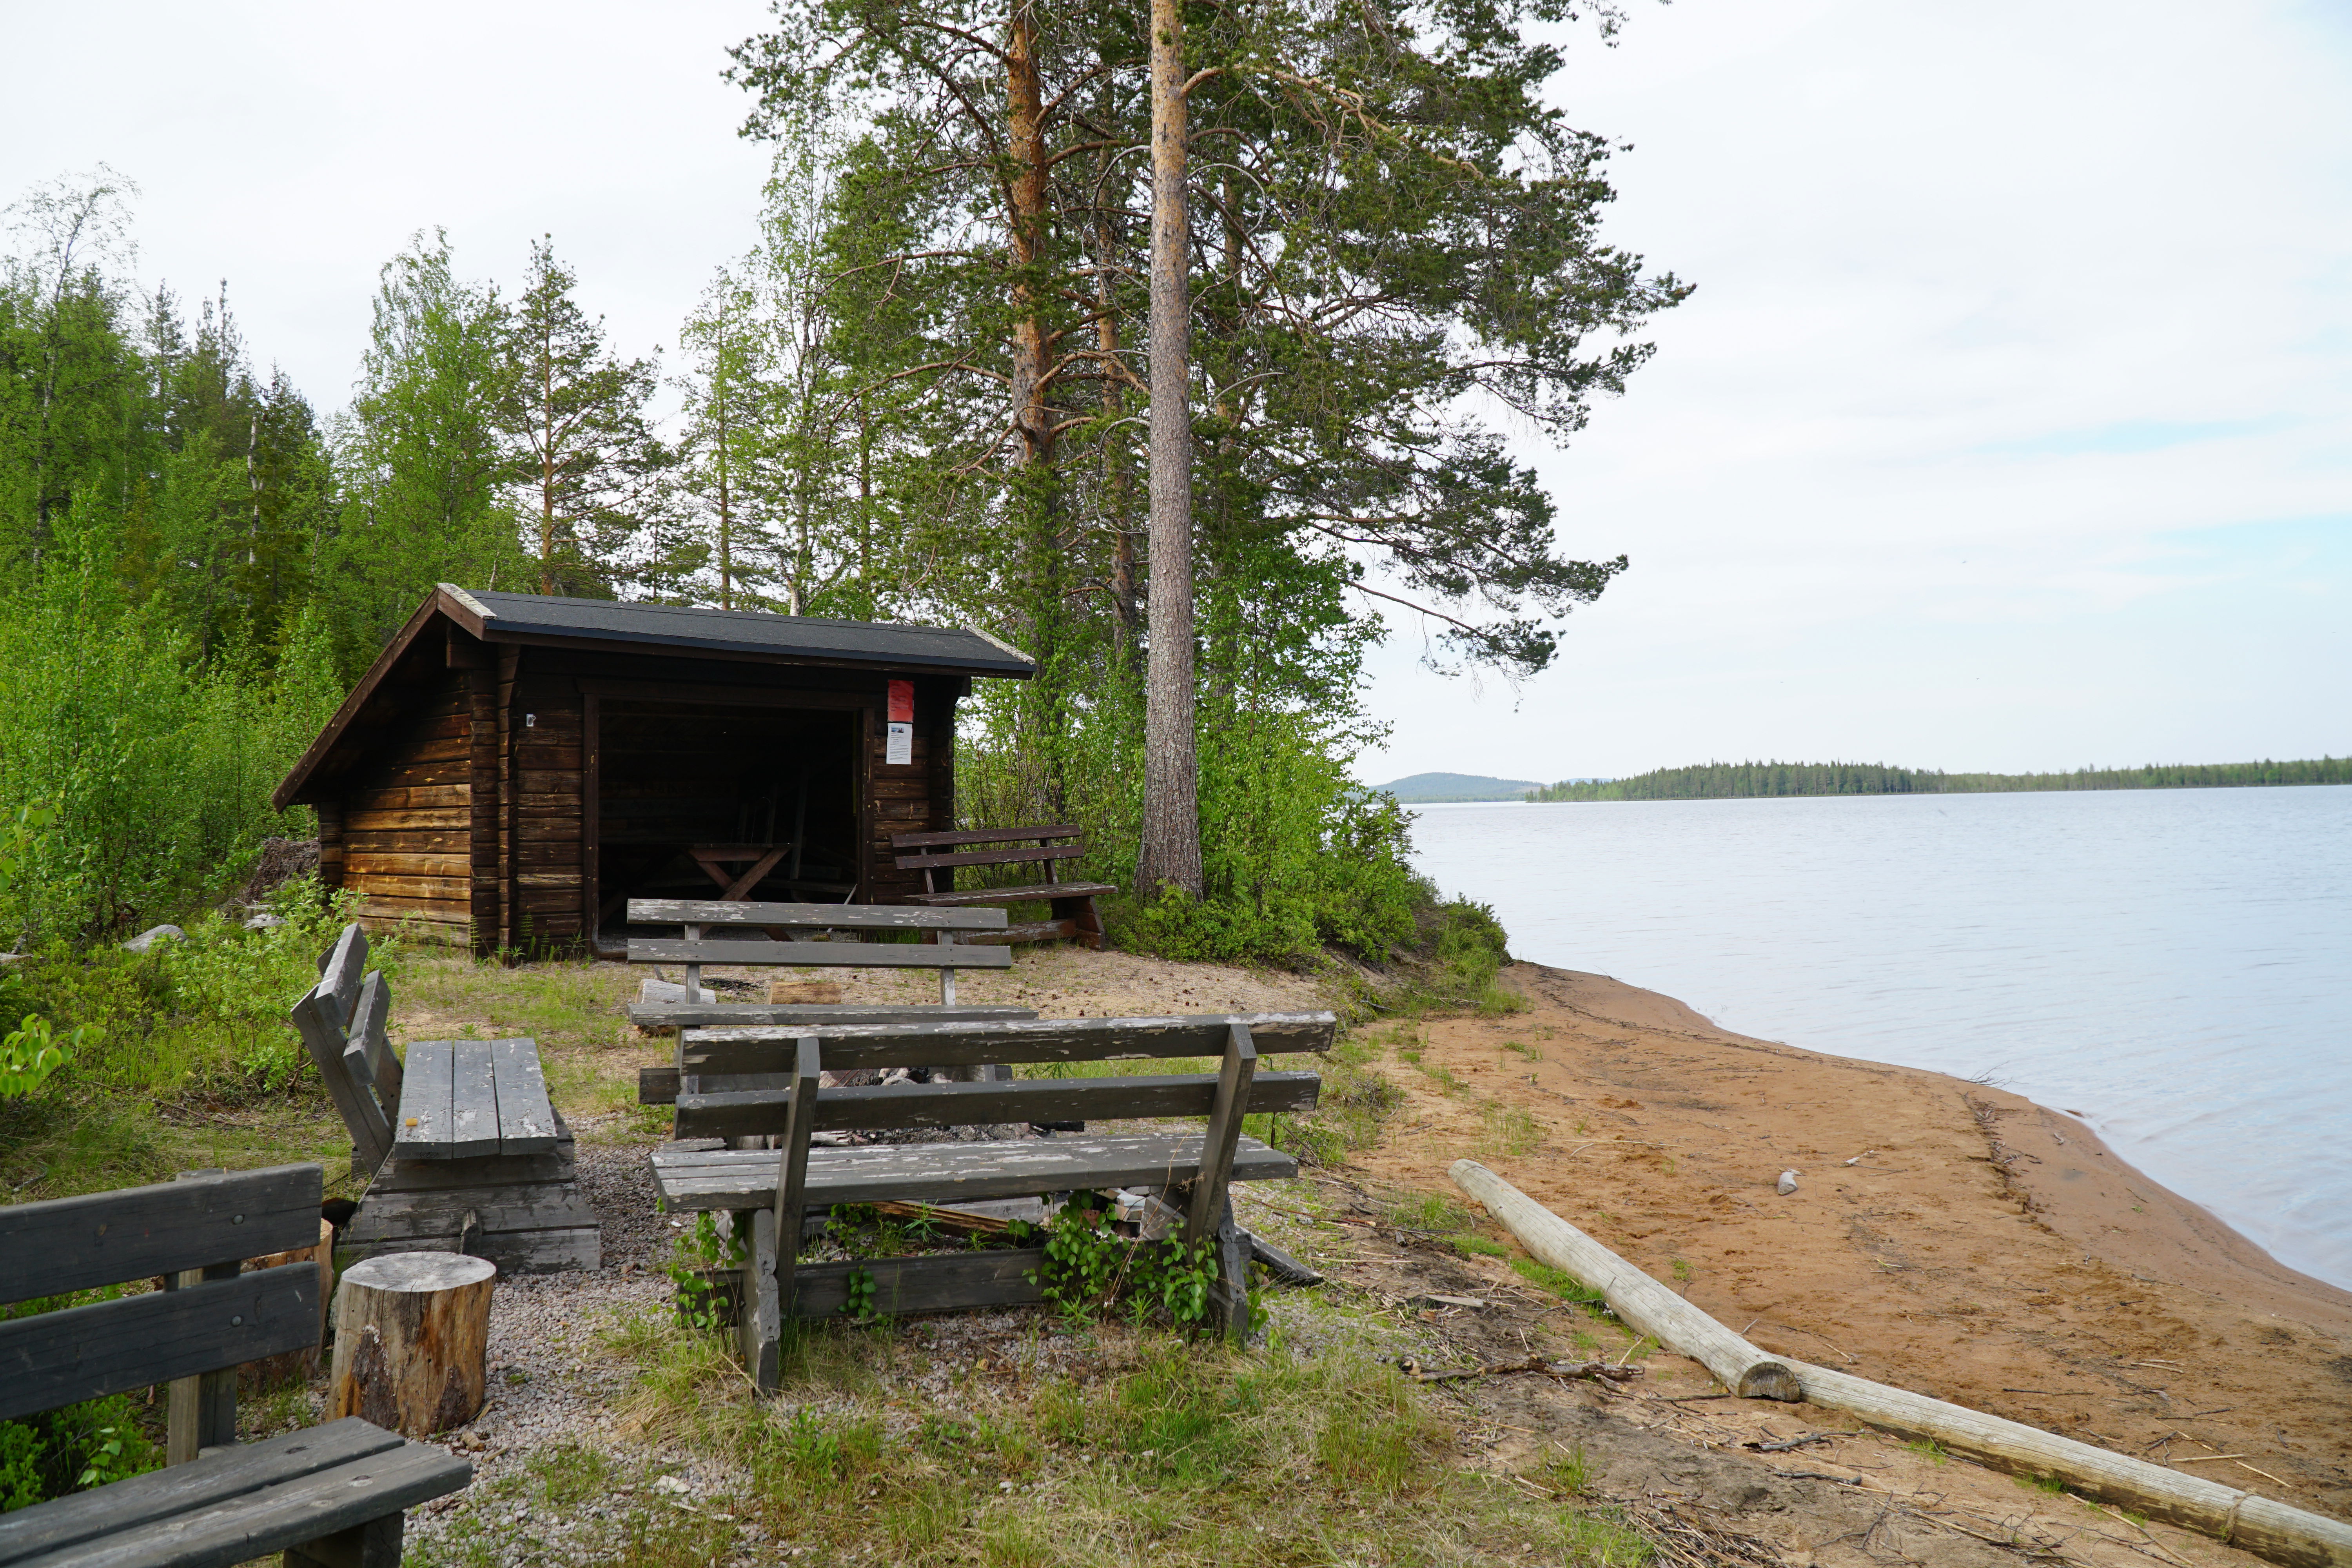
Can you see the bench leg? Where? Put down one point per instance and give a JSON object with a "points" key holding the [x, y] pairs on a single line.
{"points": [[1085, 920], [1229, 1304], [761, 1326], [375, 1544]]}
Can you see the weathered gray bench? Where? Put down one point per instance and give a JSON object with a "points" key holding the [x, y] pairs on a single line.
{"points": [[946, 953], [465, 1152], [325, 1495], [1071, 905], [756, 1081]]}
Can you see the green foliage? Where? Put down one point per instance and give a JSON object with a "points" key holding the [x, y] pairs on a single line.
{"points": [[1732, 781], [30, 1054], [205, 1013], [1089, 1268], [59, 1452]]}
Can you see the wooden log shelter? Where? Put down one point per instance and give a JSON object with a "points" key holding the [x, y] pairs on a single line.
{"points": [[514, 768]]}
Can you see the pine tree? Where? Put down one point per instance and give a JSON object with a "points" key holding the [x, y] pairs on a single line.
{"points": [[575, 415]]}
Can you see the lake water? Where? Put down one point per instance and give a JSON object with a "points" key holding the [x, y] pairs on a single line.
{"points": [[2173, 965]]}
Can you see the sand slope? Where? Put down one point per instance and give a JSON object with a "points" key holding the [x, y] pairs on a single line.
{"points": [[1980, 1250]]}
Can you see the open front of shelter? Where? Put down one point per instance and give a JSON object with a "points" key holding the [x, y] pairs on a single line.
{"points": [[513, 768]]}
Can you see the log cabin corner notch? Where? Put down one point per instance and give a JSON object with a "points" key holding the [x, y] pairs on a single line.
{"points": [[513, 768]]}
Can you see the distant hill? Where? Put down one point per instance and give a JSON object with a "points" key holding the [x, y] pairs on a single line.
{"points": [[1430, 789], [1736, 781]]}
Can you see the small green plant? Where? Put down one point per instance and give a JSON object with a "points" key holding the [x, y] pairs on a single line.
{"points": [[1568, 1470], [1480, 1247], [1089, 1268], [33, 1052], [858, 1296], [2050, 1485], [1523, 1050], [1512, 1129], [709, 1245], [1682, 1268], [1927, 1449]]}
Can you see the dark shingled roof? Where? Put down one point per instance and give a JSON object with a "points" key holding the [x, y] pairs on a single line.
{"points": [[744, 631]]}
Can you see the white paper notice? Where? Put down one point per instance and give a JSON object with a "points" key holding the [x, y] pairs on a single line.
{"points": [[900, 750]]}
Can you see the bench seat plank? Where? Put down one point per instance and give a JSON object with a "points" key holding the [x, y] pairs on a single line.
{"points": [[982, 835], [526, 1118], [820, 954], [473, 1101], [693, 1180], [425, 1130], [727, 1110], [217, 1477], [273, 1517], [1013, 895]]}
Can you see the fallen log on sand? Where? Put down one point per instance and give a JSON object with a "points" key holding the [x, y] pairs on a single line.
{"points": [[2287, 1535], [1638, 1300]]}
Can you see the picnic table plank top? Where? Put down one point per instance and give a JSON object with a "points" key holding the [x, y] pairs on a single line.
{"points": [[424, 1130], [473, 1101], [526, 1118], [821, 954], [467, 1098]]}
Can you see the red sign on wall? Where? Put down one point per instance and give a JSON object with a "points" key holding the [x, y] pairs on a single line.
{"points": [[902, 701]]}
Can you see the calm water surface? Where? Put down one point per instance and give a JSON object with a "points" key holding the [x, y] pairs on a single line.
{"points": [[2173, 965]]}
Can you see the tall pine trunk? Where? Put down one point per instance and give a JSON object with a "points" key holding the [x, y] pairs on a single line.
{"points": [[1172, 814]]}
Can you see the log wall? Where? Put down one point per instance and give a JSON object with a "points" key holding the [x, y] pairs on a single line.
{"points": [[542, 790], [405, 824]]}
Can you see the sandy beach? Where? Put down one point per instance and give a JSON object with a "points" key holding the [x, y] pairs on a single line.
{"points": [[1943, 1235]]}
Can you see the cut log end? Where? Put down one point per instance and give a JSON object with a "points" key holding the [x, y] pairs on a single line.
{"points": [[1770, 1379]]}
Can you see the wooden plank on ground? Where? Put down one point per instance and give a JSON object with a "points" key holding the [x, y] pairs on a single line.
{"points": [[820, 954], [107, 1347], [833, 917], [913, 1042], [526, 1118], [933, 1282], [473, 1101], [104, 1238], [742, 1113], [426, 1130], [953, 1173]]}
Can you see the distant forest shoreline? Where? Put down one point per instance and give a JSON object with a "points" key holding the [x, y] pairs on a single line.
{"points": [[1740, 781]]}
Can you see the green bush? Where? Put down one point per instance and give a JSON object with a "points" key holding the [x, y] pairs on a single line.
{"points": [[207, 1012], [72, 1449]]}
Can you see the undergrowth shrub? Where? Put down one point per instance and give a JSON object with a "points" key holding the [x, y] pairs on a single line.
{"points": [[205, 1014]]}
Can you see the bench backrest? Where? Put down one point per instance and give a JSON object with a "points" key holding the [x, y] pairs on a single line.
{"points": [[943, 954], [195, 1232], [344, 1021], [928, 852], [819, 916], [743, 1083]]}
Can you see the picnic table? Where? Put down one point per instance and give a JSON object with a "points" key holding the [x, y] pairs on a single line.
{"points": [[464, 1149]]}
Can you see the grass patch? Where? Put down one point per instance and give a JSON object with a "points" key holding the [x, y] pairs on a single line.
{"points": [[1105, 1445], [1511, 1131]]}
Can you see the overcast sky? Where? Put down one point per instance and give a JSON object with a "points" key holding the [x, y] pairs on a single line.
{"points": [[2011, 426]]}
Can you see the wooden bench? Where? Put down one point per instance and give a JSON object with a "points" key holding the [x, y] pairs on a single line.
{"points": [[947, 927], [464, 1149], [757, 1081], [325, 1495], [1075, 917]]}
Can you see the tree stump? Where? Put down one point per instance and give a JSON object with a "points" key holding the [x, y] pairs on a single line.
{"points": [[411, 1334]]}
